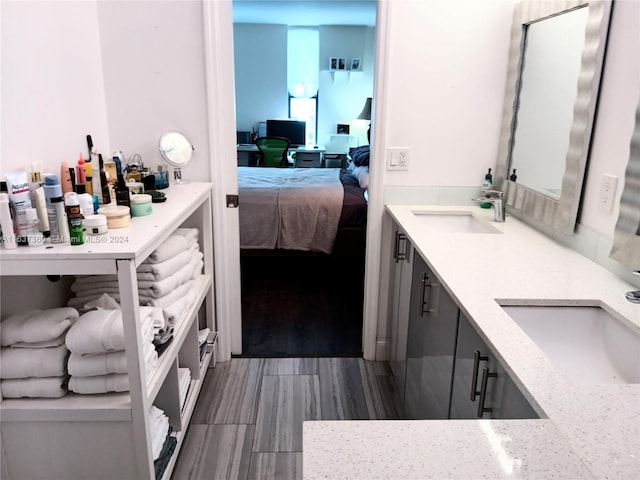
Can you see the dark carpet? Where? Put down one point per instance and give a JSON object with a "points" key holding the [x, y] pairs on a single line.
{"points": [[301, 306]]}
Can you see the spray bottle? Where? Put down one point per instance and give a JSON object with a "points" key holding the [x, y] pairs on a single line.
{"points": [[74, 217]]}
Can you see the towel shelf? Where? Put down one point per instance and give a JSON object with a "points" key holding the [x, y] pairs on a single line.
{"points": [[109, 435]]}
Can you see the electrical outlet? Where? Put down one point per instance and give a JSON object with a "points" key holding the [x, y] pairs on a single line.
{"points": [[608, 187], [398, 158]]}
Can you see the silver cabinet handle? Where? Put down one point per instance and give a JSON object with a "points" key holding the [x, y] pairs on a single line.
{"points": [[425, 302], [474, 378], [483, 391], [401, 255]]}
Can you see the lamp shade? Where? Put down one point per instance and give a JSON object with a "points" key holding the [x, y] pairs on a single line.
{"points": [[365, 114]]}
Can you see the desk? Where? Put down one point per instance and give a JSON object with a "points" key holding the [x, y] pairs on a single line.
{"points": [[305, 156]]}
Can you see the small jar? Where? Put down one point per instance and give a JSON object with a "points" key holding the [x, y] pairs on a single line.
{"points": [[95, 224], [117, 215], [141, 205], [135, 187], [162, 178]]}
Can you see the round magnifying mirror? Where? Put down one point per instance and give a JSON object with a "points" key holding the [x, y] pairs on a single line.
{"points": [[177, 151]]}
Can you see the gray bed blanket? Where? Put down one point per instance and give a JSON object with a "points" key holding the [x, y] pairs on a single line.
{"points": [[289, 208]]}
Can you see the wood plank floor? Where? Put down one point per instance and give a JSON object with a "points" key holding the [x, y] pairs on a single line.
{"points": [[247, 423]]}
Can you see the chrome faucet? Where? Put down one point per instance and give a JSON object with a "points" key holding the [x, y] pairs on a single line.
{"points": [[634, 295], [496, 199]]}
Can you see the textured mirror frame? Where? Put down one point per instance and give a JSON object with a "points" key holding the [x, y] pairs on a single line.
{"points": [[525, 203], [626, 237]]}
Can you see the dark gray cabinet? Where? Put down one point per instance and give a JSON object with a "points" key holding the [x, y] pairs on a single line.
{"points": [[431, 345], [481, 386], [401, 271]]}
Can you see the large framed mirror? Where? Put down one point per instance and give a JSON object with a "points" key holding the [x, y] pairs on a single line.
{"points": [[626, 239], [553, 79]]}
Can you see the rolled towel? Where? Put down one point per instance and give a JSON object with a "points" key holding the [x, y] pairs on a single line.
{"points": [[99, 331], [174, 312], [37, 325], [51, 387], [33, 362], [113, 382], [170, 248]]}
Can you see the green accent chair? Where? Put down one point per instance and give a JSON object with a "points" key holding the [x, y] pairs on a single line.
{"points": [[273, 151]]}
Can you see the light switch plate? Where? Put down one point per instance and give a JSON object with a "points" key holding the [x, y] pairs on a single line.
{"points": [[398, 158], [608, 186]]}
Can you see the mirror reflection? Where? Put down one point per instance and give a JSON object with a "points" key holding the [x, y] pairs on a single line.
{"points": [[545, 108]]}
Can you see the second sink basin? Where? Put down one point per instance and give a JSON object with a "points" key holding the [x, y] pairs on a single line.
{"points": [[453, 222], [586, 343]]}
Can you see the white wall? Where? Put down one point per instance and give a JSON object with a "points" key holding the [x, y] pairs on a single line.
{"points": [[52, 84], [619, 96], [154, 77], [260, 53], [342, 94], [447, 74]]}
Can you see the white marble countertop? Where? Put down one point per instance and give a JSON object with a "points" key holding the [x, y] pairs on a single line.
{"points": [[585, 430]]}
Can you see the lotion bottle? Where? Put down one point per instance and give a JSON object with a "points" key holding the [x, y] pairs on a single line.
{"points": [[39, 202], [487, 184]]}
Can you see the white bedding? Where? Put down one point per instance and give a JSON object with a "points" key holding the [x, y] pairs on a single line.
{"points": [[289, 208]]}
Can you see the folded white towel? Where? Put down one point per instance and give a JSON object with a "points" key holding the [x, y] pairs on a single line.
{"points": [[111, 362], [113, 382], [37, 325], [169, 299], [51, 387], [165, 286], [99, 331], [158, 271], [175, 244], [159, 425], [184, 380], [56, 342], [190, 233], [33, 362], [203, 335]]}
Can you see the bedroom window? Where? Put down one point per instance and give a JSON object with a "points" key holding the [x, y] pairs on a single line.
{"points": [[303, 53], [306, 109]]}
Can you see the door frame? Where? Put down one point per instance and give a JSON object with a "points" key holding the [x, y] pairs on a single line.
{"points": [[220, 85]]}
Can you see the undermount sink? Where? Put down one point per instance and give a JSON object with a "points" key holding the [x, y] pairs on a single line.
{"points": [[453, 222], [586, 343]]}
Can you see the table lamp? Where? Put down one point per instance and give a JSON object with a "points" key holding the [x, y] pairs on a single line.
{"points": [[365, 114]]}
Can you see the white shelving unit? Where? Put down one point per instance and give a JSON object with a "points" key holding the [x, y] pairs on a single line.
{"points": [[108, 436]]}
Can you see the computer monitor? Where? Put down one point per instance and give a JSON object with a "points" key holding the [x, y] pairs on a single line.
{"points": [[294, 130]]}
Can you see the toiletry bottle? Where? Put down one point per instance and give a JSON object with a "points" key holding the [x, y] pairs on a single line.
{"points": [[65, 178], [122, 192], [513, 177], [8, 234], [74, 217], [81, 171], [55, 209], [88, 170], [38, 201], [32, 232], [487, 184], [86, 201], [104, 184], [18, 183], [95, 179]]}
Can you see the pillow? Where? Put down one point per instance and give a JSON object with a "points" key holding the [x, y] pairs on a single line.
{"points": [[360, 155], [362, 174]]}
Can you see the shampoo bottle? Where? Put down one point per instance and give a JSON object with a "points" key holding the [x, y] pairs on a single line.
{"points": [[74, 217]]}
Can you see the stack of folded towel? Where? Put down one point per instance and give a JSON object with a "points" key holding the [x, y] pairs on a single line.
{"points": [[165, 278], [33, 357], [98, 362], [163, 443]]}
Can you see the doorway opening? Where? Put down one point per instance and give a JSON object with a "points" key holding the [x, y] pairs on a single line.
{"points": [[299, 302]]}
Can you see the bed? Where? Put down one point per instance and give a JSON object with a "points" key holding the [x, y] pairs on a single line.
{"points": [[302, 209]]}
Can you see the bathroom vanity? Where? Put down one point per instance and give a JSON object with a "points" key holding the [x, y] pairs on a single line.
{"points": [[544, 414]]}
